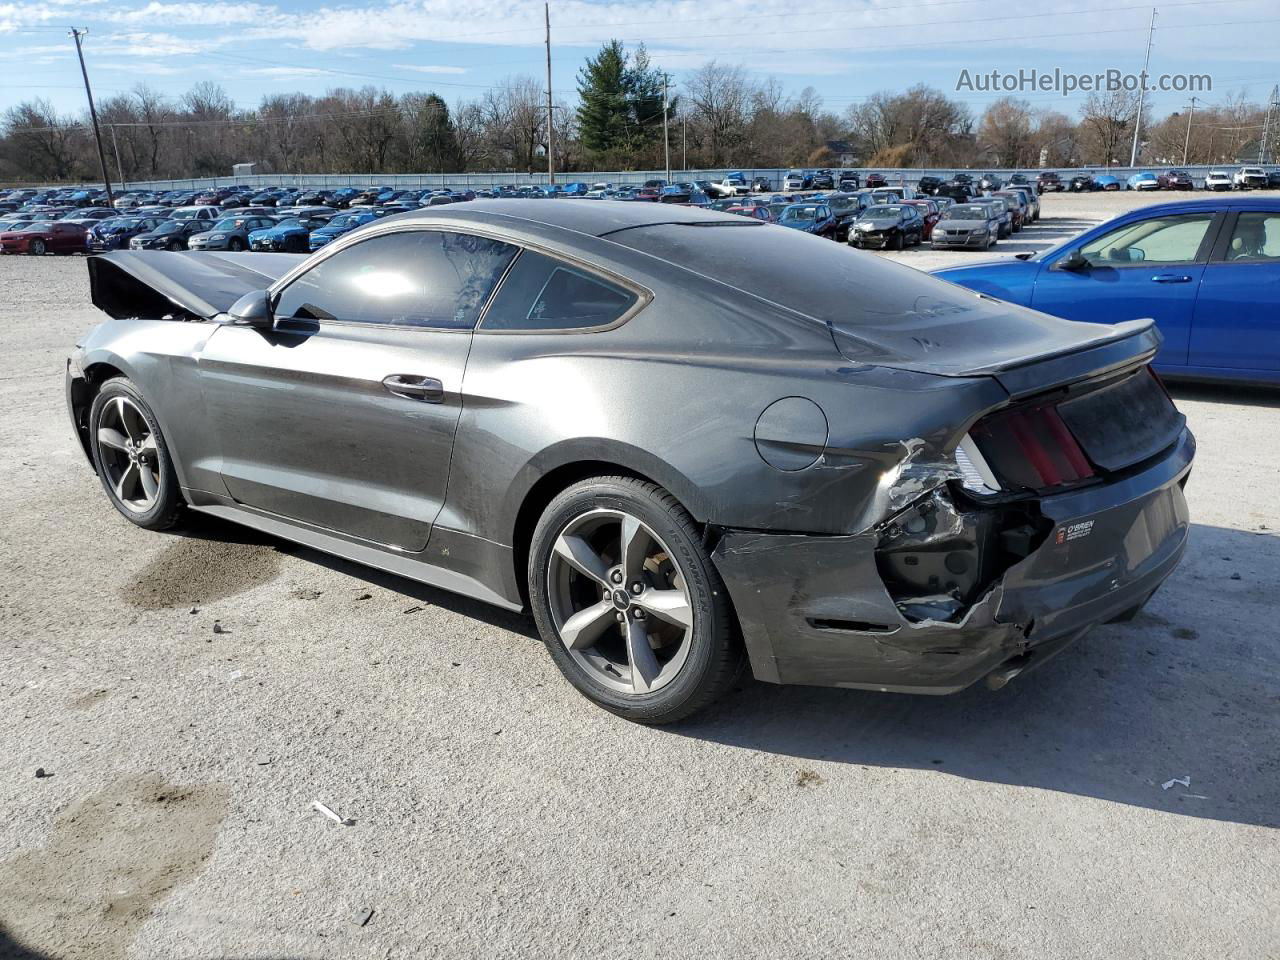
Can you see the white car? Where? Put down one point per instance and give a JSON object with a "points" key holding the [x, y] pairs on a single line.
{"points": [[196, 213], [1250, 178], [1218, 180]]}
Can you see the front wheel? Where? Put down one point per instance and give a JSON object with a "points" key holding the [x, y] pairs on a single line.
{"points": [[132, 458], [628, 602], [900, 242], [174, 246], [235, 245]]}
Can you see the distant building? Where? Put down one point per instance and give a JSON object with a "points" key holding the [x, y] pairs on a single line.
{"points": [[243, 169], [1249, 153], [843, 152]]}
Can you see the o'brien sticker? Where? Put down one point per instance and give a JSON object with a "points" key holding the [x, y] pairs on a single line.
{"points": [[1073, 531]]}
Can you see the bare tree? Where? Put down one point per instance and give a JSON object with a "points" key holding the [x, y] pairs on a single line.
{"points": [[1006, 132], [40, 140], [719, 97], [1107, 120]]}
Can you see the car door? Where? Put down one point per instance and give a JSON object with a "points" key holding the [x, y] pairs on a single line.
{"points": [[1149, 267], [343, 414], [1236, 323]]}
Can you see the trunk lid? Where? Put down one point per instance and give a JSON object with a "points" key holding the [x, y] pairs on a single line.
{"points": [[136, 284]]}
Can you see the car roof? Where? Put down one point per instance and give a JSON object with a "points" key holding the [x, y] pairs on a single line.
{"points": [[595, 220]]}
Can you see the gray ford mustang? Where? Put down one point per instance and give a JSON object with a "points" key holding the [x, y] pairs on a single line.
{"points": [[684, 440]]}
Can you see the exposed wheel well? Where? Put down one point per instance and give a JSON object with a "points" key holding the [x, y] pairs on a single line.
{"points": [[82, 394], [542, 493]]}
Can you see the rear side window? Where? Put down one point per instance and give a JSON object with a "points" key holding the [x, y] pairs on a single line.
{"points": [[420, 278], [1256, 238], [542, 293]]}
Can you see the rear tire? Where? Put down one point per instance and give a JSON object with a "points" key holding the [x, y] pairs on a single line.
{"points": [[36, 248], [675, 650], [132, 458]]}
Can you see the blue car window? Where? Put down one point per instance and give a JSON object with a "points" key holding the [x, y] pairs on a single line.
{"points": [[420, 278], [1169, 239], [1256, 238]]}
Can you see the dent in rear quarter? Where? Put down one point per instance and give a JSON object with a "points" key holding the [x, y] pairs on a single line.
{"points": [[941, 588]]}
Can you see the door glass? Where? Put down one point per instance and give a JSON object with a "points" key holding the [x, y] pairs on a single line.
{"points": [[1256, 238], [1174, 239], [420, 278]]}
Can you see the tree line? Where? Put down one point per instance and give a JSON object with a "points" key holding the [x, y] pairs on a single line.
{"points": [[717, 117]]}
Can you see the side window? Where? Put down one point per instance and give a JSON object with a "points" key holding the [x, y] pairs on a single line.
{"points": [[419, 278], [1256, 239], [1174, 239], [542, 293]]}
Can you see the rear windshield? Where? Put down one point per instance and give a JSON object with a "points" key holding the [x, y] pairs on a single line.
{"points": [[805, 273]]}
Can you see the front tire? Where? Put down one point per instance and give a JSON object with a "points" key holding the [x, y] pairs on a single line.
{"points": [[131, 457], [628, 602], [235, 245]]}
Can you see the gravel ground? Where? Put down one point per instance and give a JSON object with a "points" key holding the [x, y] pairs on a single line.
{"points": [[495, 813]]}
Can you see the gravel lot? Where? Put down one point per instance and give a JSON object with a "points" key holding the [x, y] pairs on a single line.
{"points": [[497, 814]]}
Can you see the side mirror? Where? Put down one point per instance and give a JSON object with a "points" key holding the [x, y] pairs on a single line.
{"points": [[253, 310], [1074, 261]]}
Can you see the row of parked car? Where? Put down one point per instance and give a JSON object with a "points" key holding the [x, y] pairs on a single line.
{"points": [[897, 217]]}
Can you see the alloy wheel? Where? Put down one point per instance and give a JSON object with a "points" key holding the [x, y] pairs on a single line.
{"points": [[128, 454], [619, 601]]}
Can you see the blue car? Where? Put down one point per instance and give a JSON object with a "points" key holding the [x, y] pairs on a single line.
{"points": [[288, 236], [1142, 181], [342, 223], [1105, 181], [1208, 273], [815, 218]]}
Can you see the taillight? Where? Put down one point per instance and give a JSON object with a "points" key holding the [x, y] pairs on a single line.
{"points": [[1031, 447]]}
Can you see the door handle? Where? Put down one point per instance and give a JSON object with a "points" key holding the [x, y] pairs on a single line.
{"points": [[1170, 278], [426, 389]]}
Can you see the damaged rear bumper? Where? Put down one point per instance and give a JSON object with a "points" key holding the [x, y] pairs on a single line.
{"points": [[815, 609]]}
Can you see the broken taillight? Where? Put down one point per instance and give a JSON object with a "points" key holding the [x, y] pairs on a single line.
{"points": [[1030, 447]]}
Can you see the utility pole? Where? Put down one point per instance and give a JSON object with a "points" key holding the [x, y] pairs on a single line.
{"points": [[1186, 146], [666, 139], [684, 142], [115, 145], [93, 115], [551, 159], [1266, 125], [1142, 90]]}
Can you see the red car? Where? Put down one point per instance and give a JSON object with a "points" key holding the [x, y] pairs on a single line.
{"points": [[758, 211], [876, 180], [930, 212], [45, 236]]}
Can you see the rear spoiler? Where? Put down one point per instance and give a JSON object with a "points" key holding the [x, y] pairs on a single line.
{"points": [[1135, 343], [156, 284]]}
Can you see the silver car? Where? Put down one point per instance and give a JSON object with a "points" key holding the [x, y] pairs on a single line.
{"points": [[684, 441], [972, 226]]}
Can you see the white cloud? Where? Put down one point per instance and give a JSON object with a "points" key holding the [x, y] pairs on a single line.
{"points": [[139, 67], [429, 68], [284, 73], [194, 14]]}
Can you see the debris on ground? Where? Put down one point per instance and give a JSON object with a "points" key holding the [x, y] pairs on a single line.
{"points": [[1235, 576], [413, 610], [344, 821], [808, 778], [307, 594], [218, 627], [1185, 781], [41, 774], [365, 596], [362, 916]]}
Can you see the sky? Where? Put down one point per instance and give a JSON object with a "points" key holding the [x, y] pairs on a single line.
{"points": [[845, 51]]}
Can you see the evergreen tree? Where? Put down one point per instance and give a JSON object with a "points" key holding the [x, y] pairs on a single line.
{"points": [[604, 108], [644, 89]]}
